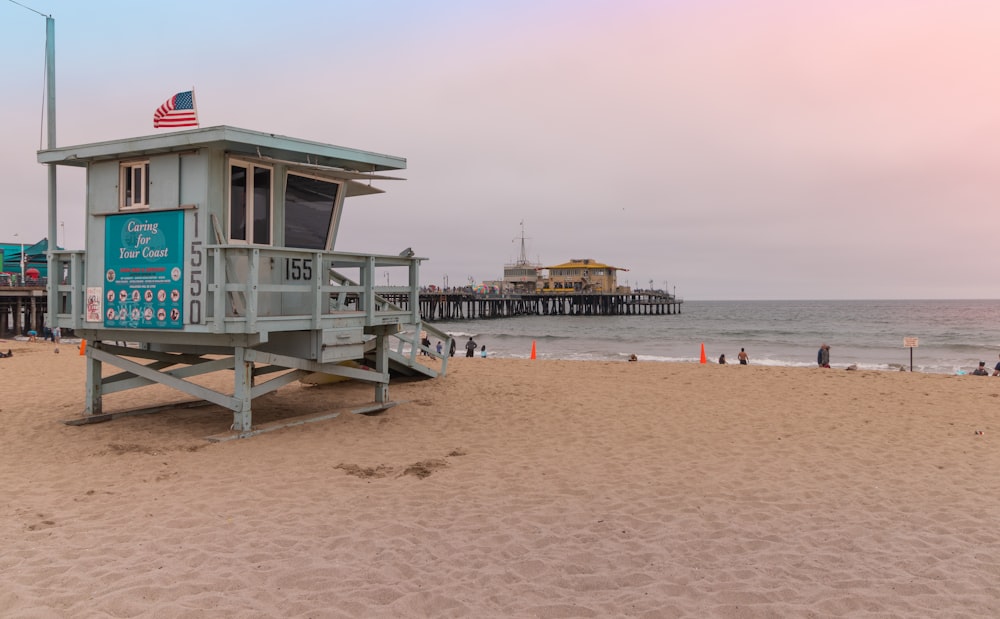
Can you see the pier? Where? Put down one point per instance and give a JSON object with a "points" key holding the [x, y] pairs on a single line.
{"points": [[22, 308], [469, 305]]}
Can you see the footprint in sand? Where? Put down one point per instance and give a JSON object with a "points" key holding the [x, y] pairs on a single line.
{"points": [[44, 524]]}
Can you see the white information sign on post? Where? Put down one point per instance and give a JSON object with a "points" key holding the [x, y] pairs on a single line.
{"points": [[911, 343]]}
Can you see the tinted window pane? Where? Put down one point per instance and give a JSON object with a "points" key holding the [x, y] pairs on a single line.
{"points": [[238, 203], [308, 211], [137, 186], [262, 206], [127, 173]]}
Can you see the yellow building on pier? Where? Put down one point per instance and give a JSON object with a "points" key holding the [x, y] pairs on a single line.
{"points": [[582, 275]]}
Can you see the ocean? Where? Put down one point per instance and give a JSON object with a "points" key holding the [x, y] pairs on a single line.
{"points": [[952, 336]]}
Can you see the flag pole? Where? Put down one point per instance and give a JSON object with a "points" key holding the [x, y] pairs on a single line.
{"points": [[53, 275], [194, 104]]}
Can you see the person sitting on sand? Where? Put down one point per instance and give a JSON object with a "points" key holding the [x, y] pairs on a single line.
{"points": [[722, 359], [981, 370], [823, 357], [9, 354], [632, 357]]}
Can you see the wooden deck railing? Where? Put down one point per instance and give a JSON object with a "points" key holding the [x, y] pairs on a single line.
{"points": [[252, 288]]}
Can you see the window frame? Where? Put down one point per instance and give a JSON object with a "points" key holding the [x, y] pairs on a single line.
{"points": [[127, 171], [249, 168], [334, 212]]}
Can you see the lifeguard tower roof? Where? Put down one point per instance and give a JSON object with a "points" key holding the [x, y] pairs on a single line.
{"points": [[233, 140]]}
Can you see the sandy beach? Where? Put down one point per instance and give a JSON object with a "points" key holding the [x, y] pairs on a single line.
{"points": [[509, 488]]}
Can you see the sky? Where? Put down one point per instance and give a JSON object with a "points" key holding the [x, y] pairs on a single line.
{"points": [[723, 149]]}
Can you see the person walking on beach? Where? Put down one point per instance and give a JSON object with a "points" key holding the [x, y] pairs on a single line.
{"points": [[744, 357], [451, 350], [823, 356], [470, 347]]}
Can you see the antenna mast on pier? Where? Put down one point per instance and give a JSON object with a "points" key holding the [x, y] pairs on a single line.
{"points": [[523, 257]]}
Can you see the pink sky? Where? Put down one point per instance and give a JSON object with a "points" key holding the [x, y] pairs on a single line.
{"points": [[752, 149]]}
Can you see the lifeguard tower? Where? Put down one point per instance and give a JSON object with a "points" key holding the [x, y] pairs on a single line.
{"points": [[213, 250]]}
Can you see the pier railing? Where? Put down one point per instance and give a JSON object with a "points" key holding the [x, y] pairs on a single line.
{"points": [[471, 305]]}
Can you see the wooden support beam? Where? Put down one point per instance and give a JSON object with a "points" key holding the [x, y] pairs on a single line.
{"points": [[164, 379], [81, 421], [242, 385]]}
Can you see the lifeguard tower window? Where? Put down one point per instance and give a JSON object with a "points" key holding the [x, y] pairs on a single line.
{"points": [[249, 201], [309, 209], [133, 185]]}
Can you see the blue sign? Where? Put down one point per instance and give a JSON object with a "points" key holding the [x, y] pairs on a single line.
{"points": [[144, 270]]}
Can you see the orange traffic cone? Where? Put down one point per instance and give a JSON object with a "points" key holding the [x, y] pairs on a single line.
{"points": [[703, 358], [533, 349], [83, 347]]}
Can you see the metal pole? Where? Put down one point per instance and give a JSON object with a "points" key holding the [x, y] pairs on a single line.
{"points": [[50, 91]]}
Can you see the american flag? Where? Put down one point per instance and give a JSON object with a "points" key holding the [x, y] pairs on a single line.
{"points": [[177, 111]]}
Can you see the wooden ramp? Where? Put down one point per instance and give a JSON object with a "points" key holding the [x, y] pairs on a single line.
{"points": [[406, 360], [406, 366], [407, 357]]}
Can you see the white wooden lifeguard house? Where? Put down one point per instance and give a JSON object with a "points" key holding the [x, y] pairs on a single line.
{"points": [[213, 249]]}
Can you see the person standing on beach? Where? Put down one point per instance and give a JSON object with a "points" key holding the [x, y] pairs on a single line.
{"points": [[744, 357], [996, 370], [470, 347], [823, 356], [451, 350], [482, 351]]}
